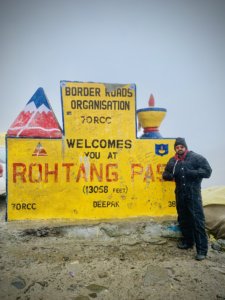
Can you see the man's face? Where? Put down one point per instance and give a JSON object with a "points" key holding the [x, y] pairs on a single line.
{"points": [[180, 149]]}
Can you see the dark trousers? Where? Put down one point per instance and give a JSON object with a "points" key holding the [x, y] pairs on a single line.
{"points": [[192, 220]]}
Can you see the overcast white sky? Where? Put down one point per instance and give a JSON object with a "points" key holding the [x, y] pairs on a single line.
{"points": [[174, 49]]}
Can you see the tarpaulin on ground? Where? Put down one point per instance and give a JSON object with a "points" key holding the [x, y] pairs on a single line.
{"points": [[214, 208]]}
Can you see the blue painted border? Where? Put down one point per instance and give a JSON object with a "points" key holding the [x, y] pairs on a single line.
{"points": [[151, 109]]}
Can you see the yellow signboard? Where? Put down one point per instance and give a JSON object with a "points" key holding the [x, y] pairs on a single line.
{"points": [[98, 170]]}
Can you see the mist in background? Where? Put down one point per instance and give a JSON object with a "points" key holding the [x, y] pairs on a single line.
{"points": [[174, 49]]}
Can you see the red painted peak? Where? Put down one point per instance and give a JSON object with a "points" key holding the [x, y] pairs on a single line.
{"points": [[151, 101]]}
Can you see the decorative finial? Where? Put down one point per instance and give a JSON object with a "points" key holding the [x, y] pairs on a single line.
{"points": [[151, 101], [150, 119]]}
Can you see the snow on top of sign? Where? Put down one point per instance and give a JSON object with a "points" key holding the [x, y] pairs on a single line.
{"points": [[36, 120]]}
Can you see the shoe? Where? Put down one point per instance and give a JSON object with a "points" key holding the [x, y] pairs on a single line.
{"points": [[184, 246], [200, 257]]}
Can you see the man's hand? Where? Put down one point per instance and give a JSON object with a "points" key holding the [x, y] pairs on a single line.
{"points": [[191, 173]]}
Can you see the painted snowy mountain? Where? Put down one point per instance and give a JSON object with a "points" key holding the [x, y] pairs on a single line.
{"points": [[36, 120]]}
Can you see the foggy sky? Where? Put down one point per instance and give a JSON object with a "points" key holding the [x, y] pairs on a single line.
{"points": [[174, 49]]}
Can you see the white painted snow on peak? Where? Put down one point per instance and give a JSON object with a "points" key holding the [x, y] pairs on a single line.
{"points": [[43, 108], [30, 107]]}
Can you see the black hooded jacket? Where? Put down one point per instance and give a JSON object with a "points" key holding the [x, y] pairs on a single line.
{"points": [[187, 173]]}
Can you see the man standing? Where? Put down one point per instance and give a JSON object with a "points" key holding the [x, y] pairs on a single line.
{"points": [[188, 169]]}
